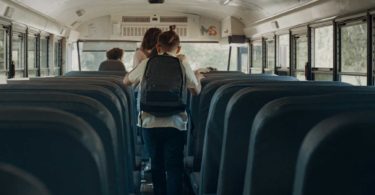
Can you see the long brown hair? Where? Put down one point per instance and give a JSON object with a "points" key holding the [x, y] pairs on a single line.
{"points": [[150, 39]]}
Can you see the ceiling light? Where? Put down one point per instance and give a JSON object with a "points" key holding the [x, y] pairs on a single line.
{"points": [[80, 12]]}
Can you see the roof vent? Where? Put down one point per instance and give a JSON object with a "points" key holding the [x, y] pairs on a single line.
{"points": [[136, 19], [9, 11], [178, 19], [155, 1]]}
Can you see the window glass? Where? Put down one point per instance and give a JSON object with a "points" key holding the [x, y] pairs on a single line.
{"points": [[301, 52], [31, 56], [92, 59], [323, 77], [43, 57], [301, 57], [72, 57], [128, 59], [323, 47], [354, 48], [18, 54], [244, 59], [257, 58], [354, 80], [93, 53], [56, 54], [233, 59], [270, 56], [55, 70], [240, 53], [215, 55], [301, 76], [283, 51], [2, 55]]}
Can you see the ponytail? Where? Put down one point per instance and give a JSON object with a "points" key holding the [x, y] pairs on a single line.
{"points": [[169, 40]]}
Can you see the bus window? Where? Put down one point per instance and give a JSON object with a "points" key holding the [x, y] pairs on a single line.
{"points": [[323, 53], [55, 70], [239, 60], [354, 53], [243, 53], [355, 80], [43, 56], [128, 59], [31, 56], [270, 64], [301, 56], [257, 62], [94, 52], [18, 54], [2, 55], [72, 57], [283, 55], [201, 55]]}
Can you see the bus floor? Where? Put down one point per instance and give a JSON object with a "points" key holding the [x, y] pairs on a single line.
{"points": [[147, 186], [146, 182]]}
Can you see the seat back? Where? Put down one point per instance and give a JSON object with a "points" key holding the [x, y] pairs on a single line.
{"points": [[119, 82], [58, 148], [215, 127], [95, 73], [103, 95], [116, 90], [90, 110], [337, 156], [200, 112], [278, 131], [14, 181]]}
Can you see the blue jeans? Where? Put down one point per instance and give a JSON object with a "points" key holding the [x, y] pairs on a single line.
{"points": [[165, 146]]}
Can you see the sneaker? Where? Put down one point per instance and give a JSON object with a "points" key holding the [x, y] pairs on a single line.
{"points": [[147, 168]]}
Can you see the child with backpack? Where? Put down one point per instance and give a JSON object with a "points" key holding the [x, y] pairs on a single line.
{"points": [[164, 81]]}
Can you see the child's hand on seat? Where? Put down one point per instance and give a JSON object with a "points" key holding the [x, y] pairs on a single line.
{"points": [[199, 75]]}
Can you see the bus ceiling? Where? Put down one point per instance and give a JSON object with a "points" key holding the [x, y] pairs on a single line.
{"points": [[210, 18]]}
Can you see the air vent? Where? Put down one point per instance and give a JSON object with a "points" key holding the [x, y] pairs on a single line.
{"points": [[136, 19], [139, 31], [134, 31], [167, 19]]}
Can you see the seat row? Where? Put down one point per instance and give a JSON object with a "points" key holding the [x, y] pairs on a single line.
{"points": [[251, 135], [75, 134]]}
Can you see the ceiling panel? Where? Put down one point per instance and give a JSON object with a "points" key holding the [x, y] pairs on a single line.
{"points": [[249, 11]]}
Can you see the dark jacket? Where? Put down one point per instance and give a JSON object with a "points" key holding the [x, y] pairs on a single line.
{"points": [[112, 65]]}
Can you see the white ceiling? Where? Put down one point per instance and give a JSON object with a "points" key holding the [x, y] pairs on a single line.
{"points": [[248, 11]]}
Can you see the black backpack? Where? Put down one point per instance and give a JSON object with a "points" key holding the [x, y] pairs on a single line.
{"points": [[163, 87]]}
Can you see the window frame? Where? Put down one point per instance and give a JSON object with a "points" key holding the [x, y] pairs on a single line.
{"points": [[252, 43], [279, 70], [57, 60], [339, 24], [32, 35], [5, 26], [22, 35], [80, 50], [44, 36], [296, 34], [266, 40], [320, 70]]}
